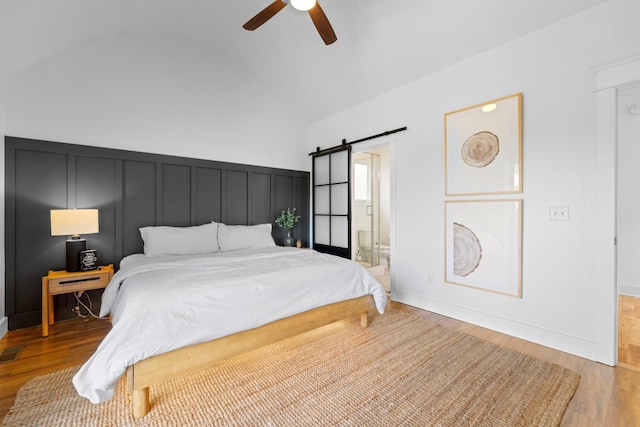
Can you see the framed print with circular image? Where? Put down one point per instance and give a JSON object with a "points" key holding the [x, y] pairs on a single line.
{"points": [[483, 245], [483, 148]]}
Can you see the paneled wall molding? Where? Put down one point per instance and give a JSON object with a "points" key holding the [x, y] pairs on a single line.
{"points": [[131, 190]]}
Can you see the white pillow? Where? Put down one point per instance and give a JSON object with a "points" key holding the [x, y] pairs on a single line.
{"points": [[164, 240], [236, 237]]}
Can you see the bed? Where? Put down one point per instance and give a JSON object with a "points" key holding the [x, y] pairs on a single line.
{"points": [[202, 294]]}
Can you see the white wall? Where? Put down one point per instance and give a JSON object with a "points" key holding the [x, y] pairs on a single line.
{"points": [[167, 95], [552, 68], [3, 319], [628, 209]]}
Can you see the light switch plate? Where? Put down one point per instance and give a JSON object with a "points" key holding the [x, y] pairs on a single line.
{"points": [[559, 213]]}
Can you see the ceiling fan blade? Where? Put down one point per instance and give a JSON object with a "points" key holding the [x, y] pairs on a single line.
{"points": [[264, 15], [322, 24]]}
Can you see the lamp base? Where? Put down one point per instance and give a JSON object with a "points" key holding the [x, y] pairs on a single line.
{"points": [[74, 246]]}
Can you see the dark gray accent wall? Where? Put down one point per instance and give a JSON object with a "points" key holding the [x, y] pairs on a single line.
{"points": [[131, 190]]}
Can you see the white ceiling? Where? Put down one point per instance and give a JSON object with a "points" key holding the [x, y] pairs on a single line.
{"points": [[381, 44]]}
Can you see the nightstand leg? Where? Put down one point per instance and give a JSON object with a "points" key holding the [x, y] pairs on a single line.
{"points": [[45, 307], [51, 320]]}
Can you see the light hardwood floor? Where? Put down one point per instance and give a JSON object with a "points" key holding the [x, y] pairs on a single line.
{"points": [[70, 343], [606, 396], [629, 332]]}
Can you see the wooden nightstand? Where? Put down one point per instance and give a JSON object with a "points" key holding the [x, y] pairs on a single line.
{"points": [[61, 282]]}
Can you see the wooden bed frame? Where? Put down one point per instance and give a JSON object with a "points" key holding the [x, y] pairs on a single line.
{"points": [[155, 369]]}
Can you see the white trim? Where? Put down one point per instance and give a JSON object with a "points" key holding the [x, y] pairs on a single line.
{"points": [[605, 310], [631, 289], [608, 79], [618, 73], [4, 326], [3, 125]]}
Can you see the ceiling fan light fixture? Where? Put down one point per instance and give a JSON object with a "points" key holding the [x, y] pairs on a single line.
{"points": [[303, 5]]}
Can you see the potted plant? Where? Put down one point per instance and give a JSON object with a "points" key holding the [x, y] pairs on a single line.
{"points": [[287, 220]]}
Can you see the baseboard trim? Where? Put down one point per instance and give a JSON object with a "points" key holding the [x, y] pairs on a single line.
{"points": [[579, 346], [4, 326], [629, 289]]}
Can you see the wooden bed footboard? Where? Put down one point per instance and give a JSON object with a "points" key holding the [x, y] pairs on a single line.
{"points": [[155, 369]]}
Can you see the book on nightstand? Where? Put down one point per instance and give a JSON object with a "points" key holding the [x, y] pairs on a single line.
{"points": [[88, 260]]}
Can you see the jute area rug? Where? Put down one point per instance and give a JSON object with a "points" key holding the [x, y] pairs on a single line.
{"points": [[401, 370]]}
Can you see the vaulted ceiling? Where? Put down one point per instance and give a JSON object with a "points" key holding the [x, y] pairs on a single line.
{"points": [[381, 44]]}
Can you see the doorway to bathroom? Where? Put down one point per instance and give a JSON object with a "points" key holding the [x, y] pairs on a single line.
{"points": [[371, 212]]}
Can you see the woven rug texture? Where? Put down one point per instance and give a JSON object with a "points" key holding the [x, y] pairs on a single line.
{"points": [[400, 371]]}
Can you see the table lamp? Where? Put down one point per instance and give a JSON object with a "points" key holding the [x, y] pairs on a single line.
{"points": [[73, 222]]}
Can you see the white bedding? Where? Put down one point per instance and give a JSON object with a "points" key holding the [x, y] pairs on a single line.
{"points": [[164, 303]]}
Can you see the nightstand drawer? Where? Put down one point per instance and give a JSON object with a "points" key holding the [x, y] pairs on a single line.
{"points": [[79, 282]]}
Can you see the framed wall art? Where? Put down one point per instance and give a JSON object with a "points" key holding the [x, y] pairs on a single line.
{"points": [[483, 245], [483, 148]]}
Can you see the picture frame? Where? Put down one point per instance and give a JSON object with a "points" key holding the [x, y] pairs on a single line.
{"points": [[483, 245], [483, 148]]}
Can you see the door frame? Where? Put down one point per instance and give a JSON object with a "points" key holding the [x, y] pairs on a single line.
{"points": [[392, 142], [609, 79]]}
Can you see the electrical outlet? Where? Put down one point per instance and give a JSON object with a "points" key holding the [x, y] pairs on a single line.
{"points": [[559, 213]]}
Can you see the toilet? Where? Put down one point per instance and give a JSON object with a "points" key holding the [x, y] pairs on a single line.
{"points": [[364, 249]]}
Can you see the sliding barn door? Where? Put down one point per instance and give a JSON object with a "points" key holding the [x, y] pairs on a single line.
{"points": [[332, 202]]}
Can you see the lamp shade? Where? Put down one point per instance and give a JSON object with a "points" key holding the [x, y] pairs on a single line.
{"points": [[72, 222]]}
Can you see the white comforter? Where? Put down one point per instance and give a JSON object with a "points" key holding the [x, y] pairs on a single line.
{"points": [[161, 304]]}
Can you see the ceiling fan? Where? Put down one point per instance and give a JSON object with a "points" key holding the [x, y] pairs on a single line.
{"points": [[316, 13]]}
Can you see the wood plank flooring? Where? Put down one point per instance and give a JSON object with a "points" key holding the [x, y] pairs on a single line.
{"points": [[629, 332], [70, 343], [606, 396]]}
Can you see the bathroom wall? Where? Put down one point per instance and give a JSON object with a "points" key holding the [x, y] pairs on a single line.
{"points": [[361, 220], [385, 195]]}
